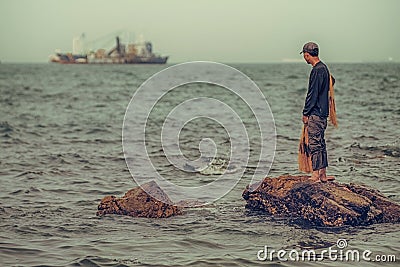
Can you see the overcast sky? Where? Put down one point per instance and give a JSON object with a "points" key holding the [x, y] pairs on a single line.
{"points": [[219, 30]]}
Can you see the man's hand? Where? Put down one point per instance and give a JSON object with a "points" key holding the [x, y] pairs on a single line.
{"points": [[305, 119]]}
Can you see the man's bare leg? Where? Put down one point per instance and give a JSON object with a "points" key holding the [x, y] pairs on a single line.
{"points": [[315, 177], [323, 177]]}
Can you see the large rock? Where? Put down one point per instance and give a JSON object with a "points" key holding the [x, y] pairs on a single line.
{"points": [[139, 202], [321, 204]]}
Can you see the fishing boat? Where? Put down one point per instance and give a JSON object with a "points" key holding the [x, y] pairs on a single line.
{"points": [[131, 53]]}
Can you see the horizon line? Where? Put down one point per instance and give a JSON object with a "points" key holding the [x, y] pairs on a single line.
{"points": [[224, 62]]}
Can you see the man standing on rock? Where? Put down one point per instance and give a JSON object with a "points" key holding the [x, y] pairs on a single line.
{"points": [[316, 111]]}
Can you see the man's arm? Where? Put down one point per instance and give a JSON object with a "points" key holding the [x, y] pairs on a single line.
{"points": [[312, 94]]}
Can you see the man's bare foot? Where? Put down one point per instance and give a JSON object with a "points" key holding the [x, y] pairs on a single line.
{"points": [[330, 178], [314, 180], [322, 175], [315, 177]]}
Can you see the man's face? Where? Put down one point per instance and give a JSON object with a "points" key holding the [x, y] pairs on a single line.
{"points": [[307, 57]]}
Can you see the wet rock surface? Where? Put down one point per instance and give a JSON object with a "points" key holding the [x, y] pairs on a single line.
{"points": [[321, 204], [138, 203]]}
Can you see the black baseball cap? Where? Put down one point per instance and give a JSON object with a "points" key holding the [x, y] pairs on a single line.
{"points": [[311, 48]]}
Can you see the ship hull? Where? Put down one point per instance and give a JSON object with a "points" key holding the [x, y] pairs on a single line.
{"points": [[151, 60], [135, 60]]}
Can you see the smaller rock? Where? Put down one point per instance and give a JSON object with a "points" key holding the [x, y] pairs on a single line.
{"points": [[139, 202]]}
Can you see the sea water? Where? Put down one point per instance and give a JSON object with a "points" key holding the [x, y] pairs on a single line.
{"points": [[61, 152]]}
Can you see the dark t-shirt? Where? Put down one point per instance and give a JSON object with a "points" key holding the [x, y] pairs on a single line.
{"points": [[317, 99]]}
